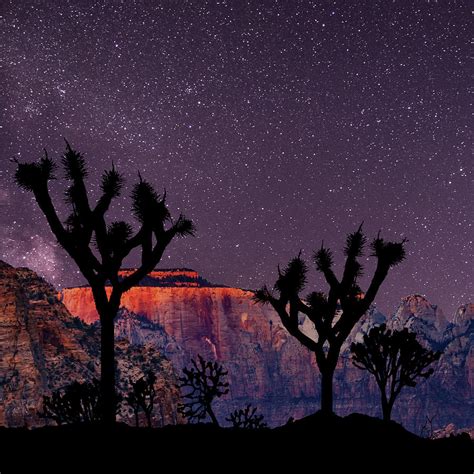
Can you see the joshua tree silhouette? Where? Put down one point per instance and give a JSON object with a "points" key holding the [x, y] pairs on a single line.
{"points": [[98, 249], [323, 310], [203, 382], [142, 396], [395, 358]]}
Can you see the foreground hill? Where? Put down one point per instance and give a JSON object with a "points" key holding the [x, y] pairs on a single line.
{"points": [[356, 443]]}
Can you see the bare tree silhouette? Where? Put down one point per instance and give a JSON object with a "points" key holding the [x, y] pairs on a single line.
{"points": [[247, 419], [76, 403], [142, 396], [202, 383], [396, 359], [332, 326], [99, 249]]}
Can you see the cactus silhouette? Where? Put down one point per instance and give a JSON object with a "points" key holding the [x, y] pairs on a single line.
{"points": [[201, 384], [247, 418]]}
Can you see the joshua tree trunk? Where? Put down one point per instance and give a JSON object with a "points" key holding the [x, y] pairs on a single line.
{"points": [[326, 390], [107, 367], [387, 405], [212, 416], [148, 419], [327, 363]]}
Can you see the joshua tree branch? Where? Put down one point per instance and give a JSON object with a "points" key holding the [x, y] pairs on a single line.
{"points": [[292, 326], [148, 266]]}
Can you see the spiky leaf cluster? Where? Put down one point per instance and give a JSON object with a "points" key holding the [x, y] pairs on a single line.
{"points": [[31, 176]]}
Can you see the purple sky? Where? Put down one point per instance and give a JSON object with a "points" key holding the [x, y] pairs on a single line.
{"points": [[273, 125]]}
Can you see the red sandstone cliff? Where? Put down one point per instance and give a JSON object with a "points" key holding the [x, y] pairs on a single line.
{"points": [[268, 368], [225, 324], [42, 348]]}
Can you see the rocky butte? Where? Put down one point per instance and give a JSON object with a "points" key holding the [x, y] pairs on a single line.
{"points": [[175, 315], [269, 369], [266, 366]]}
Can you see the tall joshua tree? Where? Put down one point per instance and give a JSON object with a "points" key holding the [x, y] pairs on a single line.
{"points": [[99, 248], [323, 310]]}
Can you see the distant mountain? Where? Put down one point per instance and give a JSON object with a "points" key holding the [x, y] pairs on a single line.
{"points": [[43, 347], [447, 396], [269, 368]]}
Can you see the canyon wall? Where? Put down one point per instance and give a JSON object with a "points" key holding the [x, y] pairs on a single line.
{"points": [[43, 347], [267, 367], [270, 369]]}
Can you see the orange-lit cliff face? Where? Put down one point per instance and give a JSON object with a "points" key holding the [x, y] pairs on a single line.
{"points": [[224, 324], [185, 272], [270, 369], [219, 323]]}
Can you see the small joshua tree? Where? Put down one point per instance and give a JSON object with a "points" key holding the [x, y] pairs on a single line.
{"points": [[332, 326], [142, 396], [98, 248], [202, 383], [396, 359], [247, 419], [76, 403]]}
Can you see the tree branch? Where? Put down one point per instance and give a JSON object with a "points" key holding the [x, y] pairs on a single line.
{"points": [[291, 325]]}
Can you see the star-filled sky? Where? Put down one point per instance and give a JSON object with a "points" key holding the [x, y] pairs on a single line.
{"points": [[273, 124]]}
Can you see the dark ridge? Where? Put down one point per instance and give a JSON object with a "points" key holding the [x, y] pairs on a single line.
{"points": [[357, 442], [177, 269], [167, 281]]}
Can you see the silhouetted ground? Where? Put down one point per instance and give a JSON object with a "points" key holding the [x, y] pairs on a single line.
{"points": [[314, 444]]}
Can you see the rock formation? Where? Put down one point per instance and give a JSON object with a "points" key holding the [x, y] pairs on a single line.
{"points": [[269, 368], [171, 318], [266, 366]]}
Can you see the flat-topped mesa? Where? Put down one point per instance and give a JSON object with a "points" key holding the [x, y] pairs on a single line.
{"points": [[160, 295], [168, 277], [164, 273]]}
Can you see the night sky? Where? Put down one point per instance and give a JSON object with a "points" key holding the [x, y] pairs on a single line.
{"points": [[273, 125]]}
